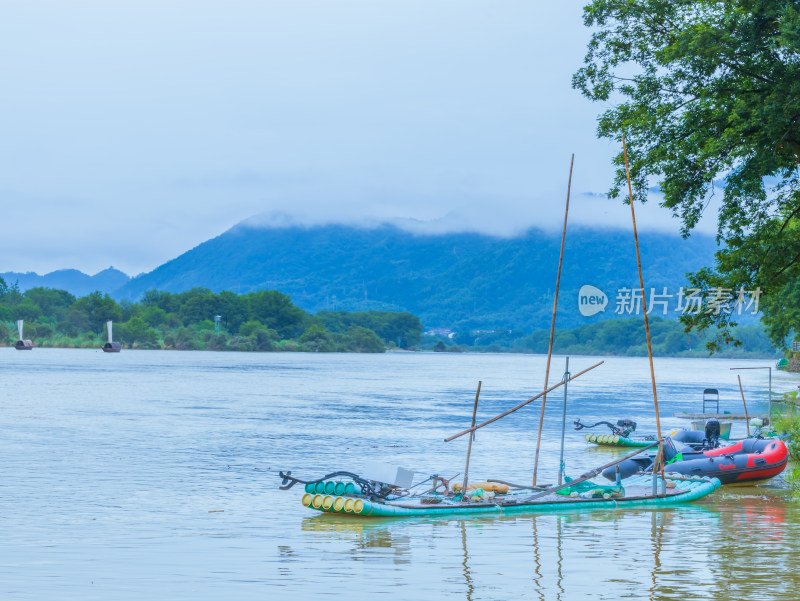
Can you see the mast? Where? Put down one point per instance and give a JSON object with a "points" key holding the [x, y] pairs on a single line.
{"points": [[552, 326], [19, 327], [110, 338], [660, 456]]}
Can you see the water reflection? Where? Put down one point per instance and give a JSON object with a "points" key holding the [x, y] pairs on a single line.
{"points": [[465, 563], [106, 490], [362, 535], [658, 554]]}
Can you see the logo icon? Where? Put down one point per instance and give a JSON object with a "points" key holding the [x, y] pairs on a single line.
{"points": [[591, 300]]}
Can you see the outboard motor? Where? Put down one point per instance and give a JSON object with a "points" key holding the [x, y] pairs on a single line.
{"points": [[712, 432], [670, 450], [625, 427]]}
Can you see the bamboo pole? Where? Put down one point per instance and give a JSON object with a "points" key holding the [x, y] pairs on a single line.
{"points": [[646, 323], [746, 419], [563, 426], [471, 438], [521, 405], [552, 327]]}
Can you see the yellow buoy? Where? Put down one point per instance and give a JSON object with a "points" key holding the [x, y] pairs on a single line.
{"points": [[348, 505], [615, 439], [338, 504], [306, 500], [358, 506], [316, 501], [327, 501]]}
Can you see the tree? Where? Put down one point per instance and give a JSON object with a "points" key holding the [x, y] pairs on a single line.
{"points": [[317, 338], [705, 91], [98, 309], [276, 311], [198, 305], [163, 300], [362, 340], [234, 309], [53, 303], [136, 330]]}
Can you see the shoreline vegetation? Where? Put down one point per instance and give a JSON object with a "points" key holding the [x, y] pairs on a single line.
{"points": [[268, 321], [612, 337], [258, 321]]}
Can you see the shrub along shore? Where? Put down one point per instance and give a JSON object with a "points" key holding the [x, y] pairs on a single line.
{"points": [[258, 321]]}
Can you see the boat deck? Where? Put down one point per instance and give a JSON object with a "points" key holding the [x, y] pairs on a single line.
{"points": [[631, 493]]}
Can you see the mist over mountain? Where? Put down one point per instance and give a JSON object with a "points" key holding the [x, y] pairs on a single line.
{"points": [[450, 280]]}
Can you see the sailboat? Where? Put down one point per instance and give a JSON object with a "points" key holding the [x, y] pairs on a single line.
{"points": [[111, 346], [22, 345], [387, 491]]}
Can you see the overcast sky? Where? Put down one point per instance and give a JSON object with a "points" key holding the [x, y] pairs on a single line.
{"points": [[131, 131]]}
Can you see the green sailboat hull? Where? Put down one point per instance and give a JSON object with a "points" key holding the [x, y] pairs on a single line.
{"points": [[684, 490]]}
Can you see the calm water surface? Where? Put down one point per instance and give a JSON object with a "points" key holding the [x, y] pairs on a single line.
{"points": [[153, 475]]}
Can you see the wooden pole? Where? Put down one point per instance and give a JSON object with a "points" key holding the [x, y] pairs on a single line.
{"points": [[552, 327], [471, 438], [646, 323], [746, 419], [521, 405]]}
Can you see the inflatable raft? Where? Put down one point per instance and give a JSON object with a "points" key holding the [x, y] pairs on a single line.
{"points": [[636, 493], [748, 460]]}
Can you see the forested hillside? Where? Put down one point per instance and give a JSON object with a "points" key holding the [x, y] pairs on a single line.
{"points": [[461, 281]]}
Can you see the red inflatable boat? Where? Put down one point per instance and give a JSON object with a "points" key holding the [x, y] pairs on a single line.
{"points": [[748, 460]]}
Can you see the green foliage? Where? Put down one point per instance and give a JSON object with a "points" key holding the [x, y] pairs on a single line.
{"points": [[317, 338], [404, 329], [98, 308], [53, 303], [276, 311], [137, 331], [259, 321], [625, 337], [789, 425], [705, 90], [363, 340]]}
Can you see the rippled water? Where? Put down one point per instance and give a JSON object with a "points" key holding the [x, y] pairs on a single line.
{"points": [[153, 474]]}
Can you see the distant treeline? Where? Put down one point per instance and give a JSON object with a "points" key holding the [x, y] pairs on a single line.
{"points": [[621, 337], [258, 321]]}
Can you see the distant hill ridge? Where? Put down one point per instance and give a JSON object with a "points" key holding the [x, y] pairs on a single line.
{"points": [[73, 281], [455, 280]]}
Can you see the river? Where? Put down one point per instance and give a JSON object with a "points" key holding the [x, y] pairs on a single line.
{"points": [[152, 474]]}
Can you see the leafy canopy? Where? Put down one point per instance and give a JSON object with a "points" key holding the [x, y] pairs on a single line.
{"points": [[705, 91]]}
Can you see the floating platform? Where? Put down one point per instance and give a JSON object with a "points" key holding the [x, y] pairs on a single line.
{"points": [[718, 416], [637, 494]]}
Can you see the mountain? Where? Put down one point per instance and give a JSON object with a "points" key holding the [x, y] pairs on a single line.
{"points": [[73, 281], [456, 280]]}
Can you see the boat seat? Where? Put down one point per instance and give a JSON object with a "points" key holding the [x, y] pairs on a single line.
{"points": [[711, 398]]}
